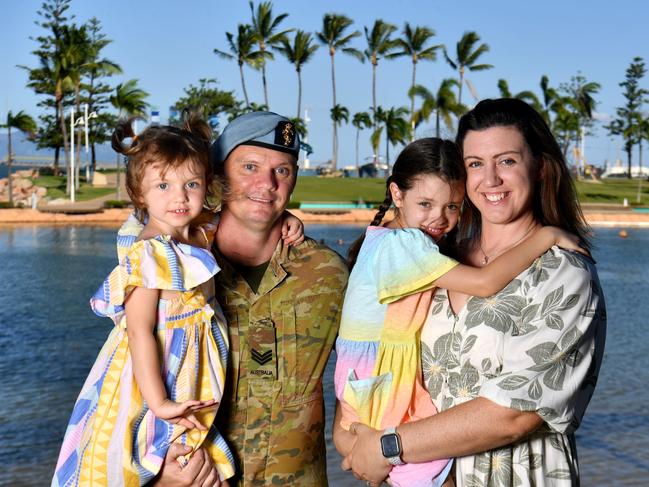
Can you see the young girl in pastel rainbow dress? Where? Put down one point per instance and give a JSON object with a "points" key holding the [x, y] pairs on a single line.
{"points": [[160, 375], [396, 266]]}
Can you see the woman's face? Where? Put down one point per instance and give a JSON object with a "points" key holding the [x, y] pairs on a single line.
{"points": [[501, 174]]}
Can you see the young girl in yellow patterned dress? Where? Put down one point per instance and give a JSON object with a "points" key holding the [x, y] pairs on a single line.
{"points": [[160, 375]]}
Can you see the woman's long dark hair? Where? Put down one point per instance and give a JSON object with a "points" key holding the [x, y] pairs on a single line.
{"points": [[428, 156], [555, 198]]}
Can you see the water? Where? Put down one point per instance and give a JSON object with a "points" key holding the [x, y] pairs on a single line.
{"points": [[49, 338]]}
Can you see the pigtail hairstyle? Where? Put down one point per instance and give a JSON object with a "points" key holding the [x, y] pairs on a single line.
{"points": [[168, 146], [427, 156]]}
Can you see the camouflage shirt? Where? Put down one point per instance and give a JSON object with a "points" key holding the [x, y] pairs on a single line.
{"points": [[280, 338]]}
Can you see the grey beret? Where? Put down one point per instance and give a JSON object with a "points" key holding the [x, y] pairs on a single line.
{"points": [[263, 129]]}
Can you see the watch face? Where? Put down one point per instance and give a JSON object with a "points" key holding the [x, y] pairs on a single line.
{"points": [[390, 446]]}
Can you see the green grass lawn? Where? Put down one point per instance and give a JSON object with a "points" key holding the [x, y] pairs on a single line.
{"points": [[372, 190], [56, 188]]}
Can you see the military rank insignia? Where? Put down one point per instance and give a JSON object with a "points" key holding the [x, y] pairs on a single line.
{"points": [[262, 363], [285, 134]]}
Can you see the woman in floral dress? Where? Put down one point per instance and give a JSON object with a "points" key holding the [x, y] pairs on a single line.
{"points": [[512, 374]]}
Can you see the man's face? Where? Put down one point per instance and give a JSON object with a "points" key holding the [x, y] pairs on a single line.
{"points": [[260, 182]]}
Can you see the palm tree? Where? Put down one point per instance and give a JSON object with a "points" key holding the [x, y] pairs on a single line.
{"points": [[361, 121], [333, 35], [264, 28], [129, 100], [379, 44], [298, 53], [443, 103], [582, 92], [466, 55], [242, 49], [24, 123], [339, 114], [396, 128], [413, 44], [525, 95], [95, 91]]}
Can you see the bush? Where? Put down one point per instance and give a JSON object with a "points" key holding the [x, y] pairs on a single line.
{"points": [[5, 205], [116, 204], [293, 205]]}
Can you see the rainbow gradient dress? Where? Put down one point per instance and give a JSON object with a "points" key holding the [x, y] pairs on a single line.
{"points": [[378, 377], [113, 438]]}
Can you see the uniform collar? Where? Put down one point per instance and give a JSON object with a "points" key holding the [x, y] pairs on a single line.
{"points": [[273, 277]]}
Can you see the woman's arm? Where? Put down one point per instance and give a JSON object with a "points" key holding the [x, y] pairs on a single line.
{"points": [[472, 427], [488, 280]]}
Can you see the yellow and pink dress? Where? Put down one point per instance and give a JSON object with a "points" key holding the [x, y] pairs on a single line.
{"points": [[113, 438], [378, 377]]}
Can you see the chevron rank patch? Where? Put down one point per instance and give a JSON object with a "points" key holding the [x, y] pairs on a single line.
{"points": [[262, 363]]}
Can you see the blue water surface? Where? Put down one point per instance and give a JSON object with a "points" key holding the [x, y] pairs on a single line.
{"points": [[49, 338]]}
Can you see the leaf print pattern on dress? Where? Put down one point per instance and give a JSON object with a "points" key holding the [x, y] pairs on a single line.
{"points": [[497, 311]]}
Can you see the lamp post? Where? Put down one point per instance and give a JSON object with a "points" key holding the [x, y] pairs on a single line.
{"points": [[83, 120]]}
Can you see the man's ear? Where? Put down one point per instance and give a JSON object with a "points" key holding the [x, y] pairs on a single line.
{"points": [[397, 195]]}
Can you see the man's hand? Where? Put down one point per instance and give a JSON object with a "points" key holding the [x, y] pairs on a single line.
{"points": [[199, 471], [365, 459]]}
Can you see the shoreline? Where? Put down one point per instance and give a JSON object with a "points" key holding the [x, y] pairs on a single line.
{"points": [[115, 216]]}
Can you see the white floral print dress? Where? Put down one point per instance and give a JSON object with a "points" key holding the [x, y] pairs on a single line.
{"points": [[535, 346]]}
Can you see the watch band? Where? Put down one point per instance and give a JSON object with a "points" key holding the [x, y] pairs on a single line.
{"points": [[394, 460]]}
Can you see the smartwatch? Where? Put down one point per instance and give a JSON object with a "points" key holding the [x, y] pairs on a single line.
{"points": [[391, 446]]}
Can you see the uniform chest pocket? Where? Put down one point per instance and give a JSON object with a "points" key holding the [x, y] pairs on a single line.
{"points": [[309, 326]]}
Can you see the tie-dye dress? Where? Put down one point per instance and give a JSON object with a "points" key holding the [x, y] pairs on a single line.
{"points": [[113, 438], [378, 377]]}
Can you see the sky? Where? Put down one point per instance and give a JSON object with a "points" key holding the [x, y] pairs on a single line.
{"points": [[168, 45]]}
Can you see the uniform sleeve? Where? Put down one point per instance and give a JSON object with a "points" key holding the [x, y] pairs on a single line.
{"points": [[407, 262], [552, 356]]}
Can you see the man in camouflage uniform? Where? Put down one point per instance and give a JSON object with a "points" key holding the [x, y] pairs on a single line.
{"points": [[282, 305]]}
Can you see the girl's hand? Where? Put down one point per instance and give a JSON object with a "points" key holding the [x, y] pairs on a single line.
{"points": [[568, 241], [182, 413], [292, 229]]}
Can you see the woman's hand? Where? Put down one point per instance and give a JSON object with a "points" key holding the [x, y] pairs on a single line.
{"points": [[182, 413], [366, 460], [292, 229], [198, 472]]}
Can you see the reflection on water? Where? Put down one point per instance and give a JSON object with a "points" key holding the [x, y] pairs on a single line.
{"points": [[49, 338]]}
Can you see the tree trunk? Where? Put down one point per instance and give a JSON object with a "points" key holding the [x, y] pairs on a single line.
{"points": [[299, 93], [628, 158], [66, 149], [57, 151], [119, 196], [243, 85], [459, 97], [437, 123], [75, 179], [638, 197], [93, 157], [334, 155], [412, 101], [9, 161], [263, 79], [376, 156], [358, 169]]}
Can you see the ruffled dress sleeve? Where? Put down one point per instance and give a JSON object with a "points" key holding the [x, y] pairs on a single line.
{"points": [[407, 262], [156, 263]]}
